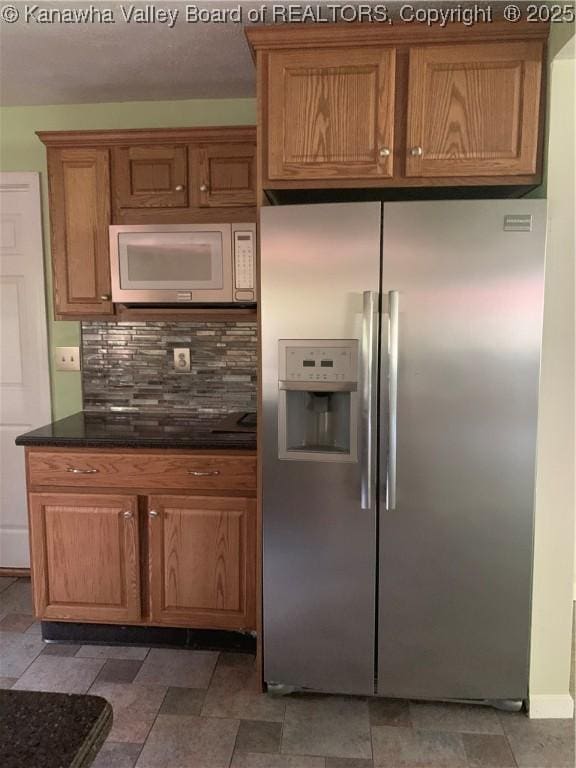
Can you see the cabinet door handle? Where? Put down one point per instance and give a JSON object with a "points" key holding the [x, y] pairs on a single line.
{"points": [[179, 187], [203, 188], [152, 513], [384, 152], [127, 514], [196, 473], [105, 297], [81, 471], [416, 152]]}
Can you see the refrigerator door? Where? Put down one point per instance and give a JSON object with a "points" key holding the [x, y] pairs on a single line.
{"points": [[317, 265], [465, 281]]}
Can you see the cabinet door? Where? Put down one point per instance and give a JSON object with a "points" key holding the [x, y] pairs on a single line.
{"points": [[225, 175], [331, 113], [202, 561], [151, 177], [473, 110], [85, 557], [80, 216]]}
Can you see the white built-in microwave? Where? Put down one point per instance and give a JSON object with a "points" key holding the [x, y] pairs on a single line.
{"points": [[183, 263]]}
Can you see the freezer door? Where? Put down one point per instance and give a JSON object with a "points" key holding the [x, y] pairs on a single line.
{"points": [[317, 265], [463, 286]]}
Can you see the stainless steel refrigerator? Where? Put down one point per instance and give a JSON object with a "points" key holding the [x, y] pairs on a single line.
{"points": [[400, 371]]}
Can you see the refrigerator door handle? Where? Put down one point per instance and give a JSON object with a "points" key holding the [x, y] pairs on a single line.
{"points": [[368, 391], [393, 314]]}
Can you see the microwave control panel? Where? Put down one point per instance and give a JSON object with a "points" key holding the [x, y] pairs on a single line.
{"points": [[244, 261]]}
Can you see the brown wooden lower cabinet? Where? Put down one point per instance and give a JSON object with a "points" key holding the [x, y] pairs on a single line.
{"points": [[202, 561], [178, 555], [85, 556]]}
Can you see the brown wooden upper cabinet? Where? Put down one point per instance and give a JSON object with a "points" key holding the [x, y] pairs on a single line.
{"points": [[331, 113], [151, 176], [160, 176], [80, 215], [224, 175], [401, 105], [473, 109]]}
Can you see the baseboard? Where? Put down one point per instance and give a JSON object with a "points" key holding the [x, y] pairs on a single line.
{"points": [[553, 705], [18, 573], [114, 634]]}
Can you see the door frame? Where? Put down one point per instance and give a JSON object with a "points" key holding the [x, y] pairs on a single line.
{"points": [[28, 183]]}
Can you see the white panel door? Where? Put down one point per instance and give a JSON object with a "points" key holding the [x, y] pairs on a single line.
{"points": [[24, 374]]}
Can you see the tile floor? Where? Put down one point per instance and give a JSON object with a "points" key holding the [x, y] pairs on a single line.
{"points": [[199, 709]]}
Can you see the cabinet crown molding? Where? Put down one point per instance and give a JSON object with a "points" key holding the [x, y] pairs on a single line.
{"points": [[277, 36], [133, 136]]}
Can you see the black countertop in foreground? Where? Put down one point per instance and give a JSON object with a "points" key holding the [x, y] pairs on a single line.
{"points": [[138, 430], [51, 730]]}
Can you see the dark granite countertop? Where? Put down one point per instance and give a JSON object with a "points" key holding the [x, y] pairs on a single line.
{"points": [[140, 430], [51, 730]]}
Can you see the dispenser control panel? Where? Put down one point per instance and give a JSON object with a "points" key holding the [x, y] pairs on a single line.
{"points": [[319, 360]]}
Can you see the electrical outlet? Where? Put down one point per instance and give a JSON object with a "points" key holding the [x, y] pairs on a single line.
{"points": [[182, 359], [67, 358]]}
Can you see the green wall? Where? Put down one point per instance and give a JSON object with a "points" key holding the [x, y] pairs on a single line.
{"points": [[21, 150]]}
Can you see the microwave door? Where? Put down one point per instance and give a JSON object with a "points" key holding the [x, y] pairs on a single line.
{"points": [[174, 266]]}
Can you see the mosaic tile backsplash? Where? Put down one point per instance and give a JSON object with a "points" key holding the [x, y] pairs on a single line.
{"points": [[130, 367]]}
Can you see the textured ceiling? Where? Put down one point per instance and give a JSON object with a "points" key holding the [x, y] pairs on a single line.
{"points": [[58, 63], [71, 63]]}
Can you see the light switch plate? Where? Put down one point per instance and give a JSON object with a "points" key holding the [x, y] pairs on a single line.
{"points": [[67, 358], [182, 359]]}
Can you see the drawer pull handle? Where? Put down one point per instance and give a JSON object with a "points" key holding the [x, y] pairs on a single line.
{"points": [[196, 473], [81, 471], [153, 513], [127, 514]]}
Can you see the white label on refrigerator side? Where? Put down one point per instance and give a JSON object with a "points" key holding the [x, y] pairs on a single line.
{"points": [[518, 223]]}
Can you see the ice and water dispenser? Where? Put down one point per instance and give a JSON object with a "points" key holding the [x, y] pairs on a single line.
{"points": [[318, 399]]}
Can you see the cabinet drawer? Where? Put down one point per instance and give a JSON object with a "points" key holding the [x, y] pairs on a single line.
{"points": [[142, 471]]}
